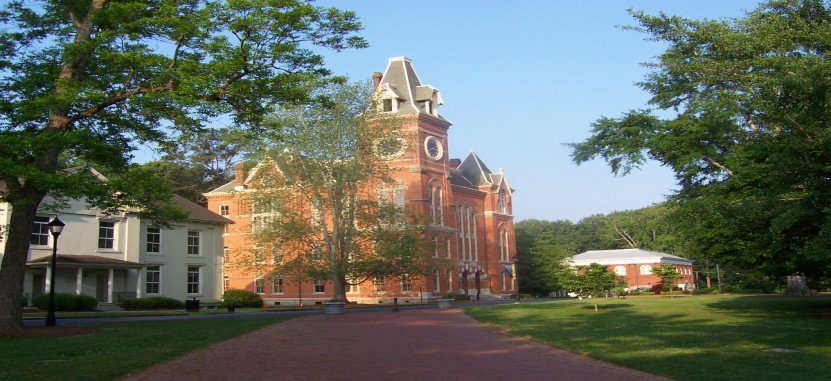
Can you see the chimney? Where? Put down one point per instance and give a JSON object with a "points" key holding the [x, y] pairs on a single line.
{"points": [[455, 163], [239, 174], [376, 80]]}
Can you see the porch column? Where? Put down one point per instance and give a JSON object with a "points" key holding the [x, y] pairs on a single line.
{"points": [[139, 275], [48, 280], [110, 283], [79, 281]]}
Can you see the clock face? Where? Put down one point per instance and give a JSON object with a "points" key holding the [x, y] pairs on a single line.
{"points": [[433, 148], [390, 148]]}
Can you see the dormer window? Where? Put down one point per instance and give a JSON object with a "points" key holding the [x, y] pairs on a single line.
{"points": [[387, 105]]}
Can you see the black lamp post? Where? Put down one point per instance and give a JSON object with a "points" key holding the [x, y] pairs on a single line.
{"points": [[515, 259], [55, 227]]}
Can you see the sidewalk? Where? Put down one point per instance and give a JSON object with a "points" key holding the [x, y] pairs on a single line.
{"points": [[429, 344]]}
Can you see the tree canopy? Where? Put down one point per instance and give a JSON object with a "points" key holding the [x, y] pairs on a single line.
{"points": [[87, 82], [324, 194], [742, 119]]}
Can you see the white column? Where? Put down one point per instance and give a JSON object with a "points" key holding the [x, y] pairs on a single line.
{"points": [[139, 275], [48, 279], [110, 282], [79, 281]]}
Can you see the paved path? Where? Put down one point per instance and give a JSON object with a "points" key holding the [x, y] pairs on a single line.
{"points": [[428, 344]]}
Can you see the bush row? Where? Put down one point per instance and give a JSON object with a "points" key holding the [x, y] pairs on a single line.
{"points": [[66, 302], [152, 303]]}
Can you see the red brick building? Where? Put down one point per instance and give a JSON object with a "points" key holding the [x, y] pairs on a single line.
{"points": [[469, 207], [635, 266]]}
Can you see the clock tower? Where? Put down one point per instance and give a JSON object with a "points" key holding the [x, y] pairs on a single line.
{"points": [[424, 169]]}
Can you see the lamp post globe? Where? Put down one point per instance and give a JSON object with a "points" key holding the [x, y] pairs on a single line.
{"points": [[55, 227]]}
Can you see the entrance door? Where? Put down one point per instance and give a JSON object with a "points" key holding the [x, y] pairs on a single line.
{"points": [[101, 288], [38, 284]]}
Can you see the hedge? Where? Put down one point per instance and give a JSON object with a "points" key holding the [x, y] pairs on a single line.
{"points": [[242, 298], [152, 303], [66, 302]]}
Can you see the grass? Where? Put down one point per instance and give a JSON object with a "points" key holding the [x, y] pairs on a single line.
{"points": [[114, 350], [684, 338]]}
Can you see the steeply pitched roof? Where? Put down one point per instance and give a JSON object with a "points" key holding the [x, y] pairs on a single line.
{"points": [[605, 257], [475, 170], [401, 79]]}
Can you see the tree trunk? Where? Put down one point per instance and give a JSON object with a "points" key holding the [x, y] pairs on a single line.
{"points": [[797, 286], [13, 267], [339, 289]]}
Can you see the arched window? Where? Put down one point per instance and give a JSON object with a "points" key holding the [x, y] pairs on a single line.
{"points": [[500, 202], [620, 270], [504, 253], [646, 270], [436, 202], [468, 247]]}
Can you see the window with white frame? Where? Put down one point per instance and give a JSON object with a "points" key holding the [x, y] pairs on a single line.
{"points": [[40, 231], [620, 270], [259, 284], [379, 285], [319, 286], [406, 285], [436, 195], [193, 242], [646, 270], [352, 286], [437, 281], [468, 247], [154, 240], [153, 280], [276, 255], [500, 202], [277, 284], [226, 283], [194, 279], [504, 251], [224, 210], [106, 234]]}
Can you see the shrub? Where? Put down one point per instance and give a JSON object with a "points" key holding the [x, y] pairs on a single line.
{"points": [[242, 298], [152, 303], [66, 302]]}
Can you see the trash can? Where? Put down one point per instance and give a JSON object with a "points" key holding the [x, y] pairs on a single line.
{"points": [[192, 305], [231, 307]]}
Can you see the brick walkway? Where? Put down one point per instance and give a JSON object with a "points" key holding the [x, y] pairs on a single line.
{"points": [[428, 344]]}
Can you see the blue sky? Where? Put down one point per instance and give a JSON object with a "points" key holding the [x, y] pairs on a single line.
{"points": [[520, 78]]}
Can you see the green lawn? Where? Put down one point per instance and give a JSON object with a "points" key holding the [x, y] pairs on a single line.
{"points": [[117, 349], [684, 338]]}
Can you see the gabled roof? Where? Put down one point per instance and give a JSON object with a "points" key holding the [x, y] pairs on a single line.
{"points": [[198, 212], [622, 256], [475, 170], [225, 188]]}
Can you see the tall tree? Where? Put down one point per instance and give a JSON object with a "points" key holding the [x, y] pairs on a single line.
{"points": [[323, 198], [749, 141], [543, 245], [203, 160], [89, 81]]}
